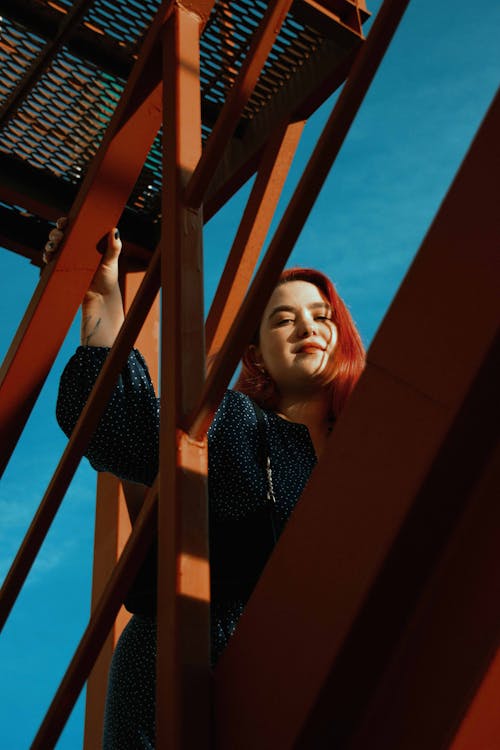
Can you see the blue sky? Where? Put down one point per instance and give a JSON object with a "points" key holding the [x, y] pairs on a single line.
{"points": [[408, 141]]}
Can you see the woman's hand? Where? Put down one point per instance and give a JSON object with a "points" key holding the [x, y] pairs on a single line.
{"points": [[102, 307], [55, 238], [105, 279]]}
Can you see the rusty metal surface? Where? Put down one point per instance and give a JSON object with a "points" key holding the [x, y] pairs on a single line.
{"points": [[395, 518]]}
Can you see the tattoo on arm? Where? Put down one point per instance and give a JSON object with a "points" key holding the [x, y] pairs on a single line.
{"points": [[85, 326]]}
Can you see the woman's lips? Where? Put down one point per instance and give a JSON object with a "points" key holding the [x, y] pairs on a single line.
{"points": [[310, 348]]}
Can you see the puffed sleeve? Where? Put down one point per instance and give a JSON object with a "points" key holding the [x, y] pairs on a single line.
{"points": [[125, 442]]}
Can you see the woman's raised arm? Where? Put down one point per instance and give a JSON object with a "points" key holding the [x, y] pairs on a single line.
{"points": [[125, 442]]}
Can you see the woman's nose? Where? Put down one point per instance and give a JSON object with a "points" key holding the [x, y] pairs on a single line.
{"points": [[307, 328]]}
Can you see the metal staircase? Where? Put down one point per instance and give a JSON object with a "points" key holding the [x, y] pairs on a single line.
{"points": [[398, 530]]}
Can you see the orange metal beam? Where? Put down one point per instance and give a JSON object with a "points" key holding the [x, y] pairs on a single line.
{"points": [[98, 206], [356, 569], [251, 234], [79, 439], [99, 626], [453, 632], [226, 123], [112, 529], [327, 15], [298, 210], [183, 659], [480, 727]]}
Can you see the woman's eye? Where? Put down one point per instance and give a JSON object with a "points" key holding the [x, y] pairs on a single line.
{"points": [[322, 317], [284, 321]]}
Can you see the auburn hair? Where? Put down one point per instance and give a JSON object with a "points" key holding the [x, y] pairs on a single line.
{"points": [[348, 358]]}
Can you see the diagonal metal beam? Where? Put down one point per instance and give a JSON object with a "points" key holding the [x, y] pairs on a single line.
{"points": [[98, 205], [298, 210], [453, 630], [99, 625], [47, 197], [238, 97], [366, 555], [251, 234], [79, 440], [480, 725]]}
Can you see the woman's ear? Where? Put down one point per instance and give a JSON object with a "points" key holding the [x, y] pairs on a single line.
{"points": [[256, 356]]}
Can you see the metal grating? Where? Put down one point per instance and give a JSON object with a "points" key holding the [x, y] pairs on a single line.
{"points": [[60, 121], [125, 21], [225, 43], [19, 48]]}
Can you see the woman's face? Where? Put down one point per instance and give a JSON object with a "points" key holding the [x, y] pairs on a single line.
{"points": [[297, 337]]}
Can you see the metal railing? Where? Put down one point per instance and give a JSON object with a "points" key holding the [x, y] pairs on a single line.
{"points": [[188, 400]]}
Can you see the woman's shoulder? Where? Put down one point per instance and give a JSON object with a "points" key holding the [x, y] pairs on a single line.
{"points": [[236, 410]]}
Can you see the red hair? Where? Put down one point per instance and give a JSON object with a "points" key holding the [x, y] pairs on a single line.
{"points": [[348, 358]]}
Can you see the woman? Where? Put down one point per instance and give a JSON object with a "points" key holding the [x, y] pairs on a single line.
{"points": [[266, 436]]}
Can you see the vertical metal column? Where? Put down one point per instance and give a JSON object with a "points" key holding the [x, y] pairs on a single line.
{"points": [[112, 528], [252, 231], [183, 707]]}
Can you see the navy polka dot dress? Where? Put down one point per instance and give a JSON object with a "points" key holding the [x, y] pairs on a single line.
{"points": [[241, 532]]}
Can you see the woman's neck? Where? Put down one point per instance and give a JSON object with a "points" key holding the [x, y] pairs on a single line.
{"points": [[313, 411]]}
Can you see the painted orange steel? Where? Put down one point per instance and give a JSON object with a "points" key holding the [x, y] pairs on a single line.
{"points": [[251, 234], [480, 727], [240, 93], [148, 340], [378, 531], [112, 529], [450, 639], [79, 439], [183, 674], [329, 15], [183, 659], [98, 206], [298, 210], [99, 626]]}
